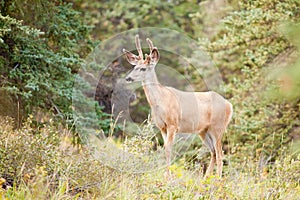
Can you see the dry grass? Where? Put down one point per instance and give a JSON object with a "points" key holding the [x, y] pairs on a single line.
{"points": [[42, 163]]}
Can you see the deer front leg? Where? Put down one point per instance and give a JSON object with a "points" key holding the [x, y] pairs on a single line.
{"points": [[168, 142]]}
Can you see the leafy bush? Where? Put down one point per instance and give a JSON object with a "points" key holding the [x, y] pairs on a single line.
{"points": [[39, 162], [35, 68], [39, 60], [25, 149]]}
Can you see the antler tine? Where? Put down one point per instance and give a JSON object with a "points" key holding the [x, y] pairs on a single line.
{"points": [[150, 43], [138, 46]]}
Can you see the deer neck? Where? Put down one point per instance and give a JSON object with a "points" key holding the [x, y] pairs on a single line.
{"points": [[152, 88]]}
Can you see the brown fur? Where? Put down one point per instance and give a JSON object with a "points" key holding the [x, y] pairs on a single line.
{"points": [[204, 113]]}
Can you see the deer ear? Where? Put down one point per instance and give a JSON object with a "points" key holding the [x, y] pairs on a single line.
{"points": [[131, 58], [154, 55]]}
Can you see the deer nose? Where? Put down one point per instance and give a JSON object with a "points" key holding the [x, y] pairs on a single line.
{"points": [[132, 97], [129, 79]]}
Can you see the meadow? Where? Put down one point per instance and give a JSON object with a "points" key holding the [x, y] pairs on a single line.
{"points": [[59, 136]]}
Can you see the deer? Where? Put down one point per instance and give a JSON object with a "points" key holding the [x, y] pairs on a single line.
{"points": [[174, 111]]}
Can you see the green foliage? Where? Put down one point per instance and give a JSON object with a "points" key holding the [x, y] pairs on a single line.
{"points": [[112, 17], [289, 78], [39, 60], [243, 49], [250, 36], [37, 69]]}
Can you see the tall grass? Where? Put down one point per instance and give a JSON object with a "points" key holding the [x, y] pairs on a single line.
{"points": [[40, 162]]}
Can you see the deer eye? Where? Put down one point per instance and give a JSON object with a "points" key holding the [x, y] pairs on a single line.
{"points": [[143, 69]]}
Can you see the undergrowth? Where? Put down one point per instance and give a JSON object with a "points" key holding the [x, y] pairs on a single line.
{"points": [[40, 162]]}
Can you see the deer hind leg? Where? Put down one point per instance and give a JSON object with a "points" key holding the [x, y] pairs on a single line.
{"points": [[211, 165], [209, 143], [219, 157], [217, 143]]}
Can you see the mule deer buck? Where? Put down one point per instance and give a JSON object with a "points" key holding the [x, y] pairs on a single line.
{"points": [[204, 113]]}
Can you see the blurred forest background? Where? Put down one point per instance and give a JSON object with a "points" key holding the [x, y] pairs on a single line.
{"points": [[43, 44]]}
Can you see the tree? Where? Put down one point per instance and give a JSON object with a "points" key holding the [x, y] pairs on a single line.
{"points": [[244, 50]]}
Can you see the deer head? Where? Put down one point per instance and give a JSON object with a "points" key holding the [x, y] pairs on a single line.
{"points": [[142, 66]]}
